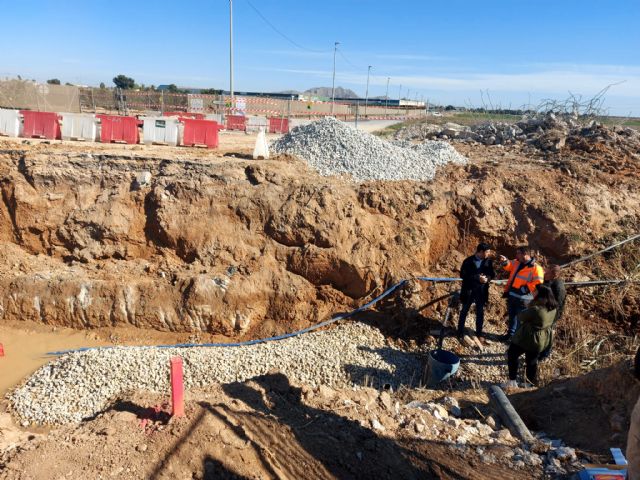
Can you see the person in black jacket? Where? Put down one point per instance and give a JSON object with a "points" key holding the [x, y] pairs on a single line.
{"points": [[476, 272]]}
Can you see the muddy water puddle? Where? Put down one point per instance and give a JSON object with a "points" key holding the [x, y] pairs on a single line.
{"points": [[25, 350]]}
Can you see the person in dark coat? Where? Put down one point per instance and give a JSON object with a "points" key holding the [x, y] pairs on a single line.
{"points": [[533, 335], [476, 272], [556, 284]]}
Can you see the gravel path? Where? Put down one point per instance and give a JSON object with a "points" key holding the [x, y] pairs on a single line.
{"points": [[78, 385], [334, 148]]}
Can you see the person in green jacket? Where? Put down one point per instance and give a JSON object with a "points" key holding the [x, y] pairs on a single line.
{"points": [[533, 335]]}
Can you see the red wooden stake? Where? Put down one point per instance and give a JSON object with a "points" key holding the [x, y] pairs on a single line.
{"points": [[177, 388]]}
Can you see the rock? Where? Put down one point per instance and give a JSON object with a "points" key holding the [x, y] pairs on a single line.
{"points": [[385, 400], [143, 179], [491, 421], [325, 393], [488, 458], [376, 425], [452, 406], [565, 454], [503, 435], [142, 447]]}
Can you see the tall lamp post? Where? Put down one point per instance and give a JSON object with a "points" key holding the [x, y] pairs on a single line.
{"points": [[231, 48], [366, 95], [386, 98], [333, 84]]}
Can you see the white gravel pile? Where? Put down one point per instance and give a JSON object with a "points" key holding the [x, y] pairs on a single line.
{"points": [[78, 385], [334, 148]]}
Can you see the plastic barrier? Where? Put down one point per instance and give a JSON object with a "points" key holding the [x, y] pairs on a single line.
{"points": [[200, 133], [41, 125], [10, 122], [278, 125], [216, 117], [256, 123], [117, 129], [236, 122], [161, 131], [196, 116], [79, 126]]}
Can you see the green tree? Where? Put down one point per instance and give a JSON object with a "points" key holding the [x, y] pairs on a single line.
{"points": [[102, 86], [211, 91], [53, 81], [173, 88], [124, 82]]}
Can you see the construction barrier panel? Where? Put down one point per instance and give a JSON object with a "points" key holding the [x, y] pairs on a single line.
{"points": [[41, 125], [236, 122], [79, 126], [197, 116], [278, 125], [216, 117], [256, 122], [117, 129], [161, 131], [200, 133], [10, 122]]}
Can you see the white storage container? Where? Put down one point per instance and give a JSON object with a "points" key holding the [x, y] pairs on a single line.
{"points": [[10, 122], [161, 130], [79, 126], [255, 123]]}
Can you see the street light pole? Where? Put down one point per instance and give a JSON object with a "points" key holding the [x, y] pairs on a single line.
{"points": [[333, 84], [386, 98], [231, 51], [366, 95], [399, 94]]}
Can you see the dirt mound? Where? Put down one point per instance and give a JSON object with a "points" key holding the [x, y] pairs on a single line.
{"points": [[268, 428], [590, 412]]}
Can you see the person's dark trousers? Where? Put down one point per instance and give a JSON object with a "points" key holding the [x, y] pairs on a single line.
{"points": [[479, 301], [514, 307], [531, 361]]}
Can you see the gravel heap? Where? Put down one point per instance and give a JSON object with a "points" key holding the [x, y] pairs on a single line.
{"points": [[78, 385], [334, 148]]}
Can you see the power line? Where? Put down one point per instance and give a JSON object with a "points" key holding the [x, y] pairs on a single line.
{"points": [[283, 35]]}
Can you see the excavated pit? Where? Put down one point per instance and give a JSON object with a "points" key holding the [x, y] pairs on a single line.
{"points": [[223, 245]]}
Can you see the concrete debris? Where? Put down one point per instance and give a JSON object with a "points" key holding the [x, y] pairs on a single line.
{"points": [[78, 385], [546, 132], [334, 148]]}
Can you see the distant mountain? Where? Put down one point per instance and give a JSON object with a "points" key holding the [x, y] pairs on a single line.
{"points": [[326, 92], [290, 92]]}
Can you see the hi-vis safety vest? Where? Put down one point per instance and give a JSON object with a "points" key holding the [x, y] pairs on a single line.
{"points": [[529, 275]]}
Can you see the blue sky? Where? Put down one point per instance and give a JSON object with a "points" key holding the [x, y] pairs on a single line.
{"points": [[448, 52]]}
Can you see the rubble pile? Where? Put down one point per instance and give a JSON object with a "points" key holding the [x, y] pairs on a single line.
{"points": [[334, 148], [548, 132]]}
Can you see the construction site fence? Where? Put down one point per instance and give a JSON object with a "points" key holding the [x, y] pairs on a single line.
{"points": [[28, 95]]}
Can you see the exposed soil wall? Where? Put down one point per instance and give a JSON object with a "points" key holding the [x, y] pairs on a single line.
{"points": [[239, 247]]}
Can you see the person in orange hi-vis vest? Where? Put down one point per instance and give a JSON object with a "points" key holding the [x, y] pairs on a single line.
{"points": [[524, 275]]}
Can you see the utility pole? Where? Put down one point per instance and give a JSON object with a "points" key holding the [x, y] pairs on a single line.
{"points": [[386, 98], [333, 84], [231, 52], [399, 94], [366, 95]]}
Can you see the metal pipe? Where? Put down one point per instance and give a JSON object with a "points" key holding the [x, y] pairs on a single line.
{"points": [[366, 95], [231, 51]]}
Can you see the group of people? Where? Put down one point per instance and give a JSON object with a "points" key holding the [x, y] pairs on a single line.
{"points": [[535, 302]]}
